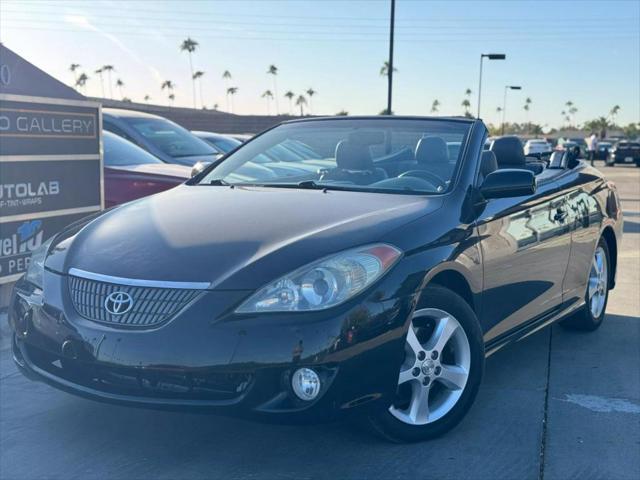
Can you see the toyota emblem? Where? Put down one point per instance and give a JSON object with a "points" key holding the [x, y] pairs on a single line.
{"points": [[118, 303]]}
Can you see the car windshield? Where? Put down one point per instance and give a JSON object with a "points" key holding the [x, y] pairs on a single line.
{"points": [[381, 155], [224, 144], [172, 139], [118, 151]]}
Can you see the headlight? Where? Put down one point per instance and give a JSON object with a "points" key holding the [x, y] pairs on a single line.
{"points": [[35, 272], [324, 283]]}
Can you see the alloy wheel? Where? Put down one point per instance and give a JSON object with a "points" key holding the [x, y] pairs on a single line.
{"points": [[598, 283], [435, 370]]}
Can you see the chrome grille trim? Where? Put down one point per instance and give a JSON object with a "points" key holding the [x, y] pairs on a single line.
{"points": [[135, 282], [152, 305]]}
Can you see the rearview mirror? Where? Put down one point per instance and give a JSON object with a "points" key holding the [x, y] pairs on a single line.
{"points": [[508, 182]]}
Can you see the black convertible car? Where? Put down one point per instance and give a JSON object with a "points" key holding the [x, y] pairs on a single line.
{"points": [[371, 276]]}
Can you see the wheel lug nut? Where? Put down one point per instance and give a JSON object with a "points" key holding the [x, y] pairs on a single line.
{"points": [[438, 370], [434, 355], [421, 355], [415, 372]]}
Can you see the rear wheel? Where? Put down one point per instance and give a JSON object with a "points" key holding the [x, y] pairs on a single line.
{"points": [[441, 371], [591, 315]]}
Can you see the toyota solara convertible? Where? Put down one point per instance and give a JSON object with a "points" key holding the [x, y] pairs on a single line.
{"points": [[360, 267]]}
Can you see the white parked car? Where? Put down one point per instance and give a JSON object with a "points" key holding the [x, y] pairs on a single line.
{"points": [[536, 146]]}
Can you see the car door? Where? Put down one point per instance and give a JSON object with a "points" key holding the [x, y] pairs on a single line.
{"points": [[525, 244], [586, 212]]}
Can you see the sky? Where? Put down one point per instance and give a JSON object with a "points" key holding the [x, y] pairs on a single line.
{"points": [[586, 52]]}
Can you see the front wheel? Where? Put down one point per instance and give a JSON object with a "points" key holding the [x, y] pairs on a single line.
{"points": [[441, 372]]}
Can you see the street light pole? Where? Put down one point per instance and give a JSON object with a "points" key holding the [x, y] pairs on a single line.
{"points": [[504, 103], [490, 56], [390, 72]]}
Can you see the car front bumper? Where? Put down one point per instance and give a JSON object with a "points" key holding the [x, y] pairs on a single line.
{"points": [[208, 360]]}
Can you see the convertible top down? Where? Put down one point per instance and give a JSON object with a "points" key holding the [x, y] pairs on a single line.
{"points": [[334, 266]]}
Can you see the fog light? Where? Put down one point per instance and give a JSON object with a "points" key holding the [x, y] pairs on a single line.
{"points": [[305, 383]]}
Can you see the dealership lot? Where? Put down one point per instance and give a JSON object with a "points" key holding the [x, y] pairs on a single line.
{"points": [[558, 404]]}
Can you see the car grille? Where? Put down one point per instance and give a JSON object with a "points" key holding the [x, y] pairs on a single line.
{"points": [[151, 306]]}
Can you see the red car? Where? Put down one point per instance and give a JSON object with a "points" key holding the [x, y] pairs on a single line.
{"points": [[130, 172]]}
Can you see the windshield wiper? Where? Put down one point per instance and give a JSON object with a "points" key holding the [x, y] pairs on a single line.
{"points": [[310, 184], [218, 182]]}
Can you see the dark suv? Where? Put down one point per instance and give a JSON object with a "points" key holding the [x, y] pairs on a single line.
{"points": [[625, 152]]}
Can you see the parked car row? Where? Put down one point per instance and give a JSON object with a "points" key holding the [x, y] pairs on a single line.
{"points": [[146, 154]]}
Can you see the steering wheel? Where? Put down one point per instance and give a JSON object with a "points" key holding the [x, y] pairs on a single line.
{"points": [[428, 176]]}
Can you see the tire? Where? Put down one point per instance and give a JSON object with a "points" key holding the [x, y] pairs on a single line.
{"points": [[448, 396], [589, 318]]}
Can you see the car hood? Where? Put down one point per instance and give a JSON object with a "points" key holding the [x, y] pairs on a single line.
{"points": [[164, 169], [232, 238]]}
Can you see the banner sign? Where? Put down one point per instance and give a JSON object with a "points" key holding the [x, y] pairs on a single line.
{"points": [[28, 128], [49, 186], [50, 160]]}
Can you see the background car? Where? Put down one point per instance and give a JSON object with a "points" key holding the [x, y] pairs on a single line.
{"points": [[536, 146], [602, 153], [222, 143], [161, 137], [625, 152], [131, 173]]}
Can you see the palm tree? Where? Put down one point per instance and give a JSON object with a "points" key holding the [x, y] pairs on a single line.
{"points": [[571, 109], [384, 70], [435, 105], [268, 96], [169, 86], [99, 72], [302, 102], [172, 98], [198, 76], [215, 106], [72, 68], [231, 91], [613, 113], [226, 76], [147, 98], [190, 46], [81, 81], [466, 104], [290, 96], [527, 106], [600, 125], [109, 69], [273, 70], [311, 92], [120, 84]]}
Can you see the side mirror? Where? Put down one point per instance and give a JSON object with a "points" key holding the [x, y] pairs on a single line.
{"points": [[197, 168], [509, 182]]}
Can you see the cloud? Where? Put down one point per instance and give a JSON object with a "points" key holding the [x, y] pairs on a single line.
{"points": [[83, 22]]}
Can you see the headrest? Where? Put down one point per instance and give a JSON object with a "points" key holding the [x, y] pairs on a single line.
{"points": [[353, 156], [509, 152], [432, 150], [488, 163]]}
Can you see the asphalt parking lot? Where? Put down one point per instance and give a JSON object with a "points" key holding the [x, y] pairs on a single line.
{"points": [[559, 404]]}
